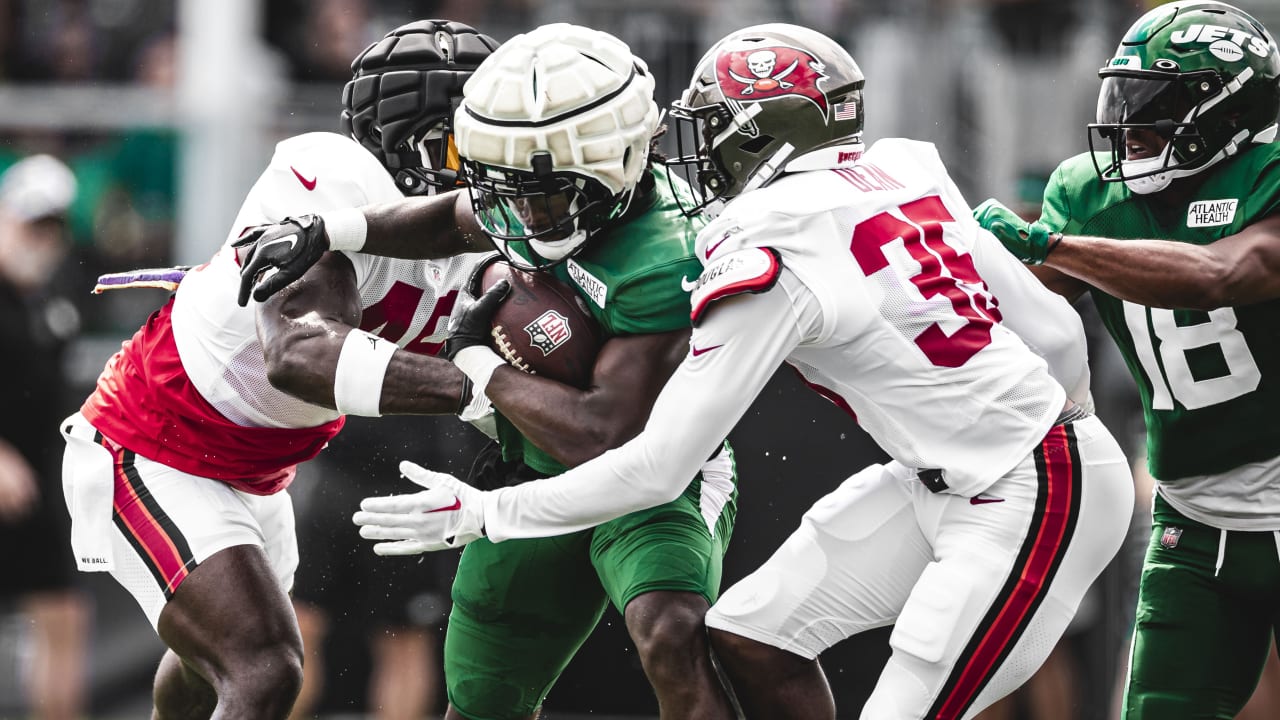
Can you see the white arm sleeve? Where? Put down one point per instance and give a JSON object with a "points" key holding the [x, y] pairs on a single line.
{"points": [[704, 399], [1044, 320]]}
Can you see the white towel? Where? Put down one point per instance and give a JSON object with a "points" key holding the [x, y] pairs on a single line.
{"points": [[88, 485], [717, 487]]}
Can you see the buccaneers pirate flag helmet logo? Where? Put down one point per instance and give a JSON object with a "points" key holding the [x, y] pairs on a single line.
{"points": [[761, 98], [764, 73]]}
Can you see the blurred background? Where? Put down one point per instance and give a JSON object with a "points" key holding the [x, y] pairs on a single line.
{"points": [[165, 111]]}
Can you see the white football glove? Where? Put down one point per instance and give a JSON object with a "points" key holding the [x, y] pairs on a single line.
{"points": [[448, 514]]}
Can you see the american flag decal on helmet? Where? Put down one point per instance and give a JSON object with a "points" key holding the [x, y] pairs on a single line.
{"points": [[844, 111]]}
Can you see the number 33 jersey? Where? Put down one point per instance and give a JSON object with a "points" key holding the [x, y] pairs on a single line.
{"points": [[190, 389], [880, 260]]}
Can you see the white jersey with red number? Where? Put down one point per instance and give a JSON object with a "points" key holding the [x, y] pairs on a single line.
{"points": [[863, 278], [911, 340], [191, 390]]}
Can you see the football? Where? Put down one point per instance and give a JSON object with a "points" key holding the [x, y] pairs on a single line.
{"points": [[543, 327]]}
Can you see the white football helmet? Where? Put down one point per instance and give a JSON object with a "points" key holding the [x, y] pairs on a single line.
{"points": [[554, 133]]}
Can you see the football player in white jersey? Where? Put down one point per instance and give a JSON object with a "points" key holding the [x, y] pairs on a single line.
{"points": [[176, 466], [863, 269], [563, 108]]}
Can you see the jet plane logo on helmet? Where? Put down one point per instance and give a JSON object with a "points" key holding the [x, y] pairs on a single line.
{"points": [[757, 73]]}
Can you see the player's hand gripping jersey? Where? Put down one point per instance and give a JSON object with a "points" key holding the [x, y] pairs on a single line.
{"points": [[190, 389], [863, 278]]}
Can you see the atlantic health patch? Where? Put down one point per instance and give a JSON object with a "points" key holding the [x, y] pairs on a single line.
{"points": [[751, 270]]}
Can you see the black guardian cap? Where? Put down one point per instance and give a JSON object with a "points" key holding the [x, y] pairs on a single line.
{"points": [[399, 105]]}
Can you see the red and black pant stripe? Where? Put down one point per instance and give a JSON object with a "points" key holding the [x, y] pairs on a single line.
{"points": [[145, 525], [1057, 511]]}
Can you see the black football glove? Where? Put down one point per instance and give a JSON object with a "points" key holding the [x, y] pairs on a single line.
{"points": [[288, 248], [475, 324]]}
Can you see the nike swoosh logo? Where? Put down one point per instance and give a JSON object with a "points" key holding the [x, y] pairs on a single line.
{"points": [[308, 184], [292, 240], [712, 248], [457, 505], [980, 500], [702, 351], [688, 285]]}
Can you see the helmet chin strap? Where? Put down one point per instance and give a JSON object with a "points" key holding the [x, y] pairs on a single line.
{"points": [[769, 168], [1148, 184], [411, 182], [557, 250], [1159, 181]]}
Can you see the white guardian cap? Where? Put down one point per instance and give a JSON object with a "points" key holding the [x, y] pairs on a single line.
{"points": [[554, 133]]}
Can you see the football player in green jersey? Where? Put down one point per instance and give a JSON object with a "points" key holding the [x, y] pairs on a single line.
{"points": [[1176, 233], [555, 136]]}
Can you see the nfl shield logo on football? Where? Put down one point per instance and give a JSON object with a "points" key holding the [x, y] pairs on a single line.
{"points": [[549, 331], [1170, 537]]}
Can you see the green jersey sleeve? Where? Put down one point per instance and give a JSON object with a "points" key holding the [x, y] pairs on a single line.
{"points": [[635, 277]]}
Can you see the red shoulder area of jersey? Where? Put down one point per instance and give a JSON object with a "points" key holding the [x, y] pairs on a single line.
{"points": [[750, 270]]}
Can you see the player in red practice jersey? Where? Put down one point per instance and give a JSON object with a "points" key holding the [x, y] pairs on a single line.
{"points": [[176, 466]]}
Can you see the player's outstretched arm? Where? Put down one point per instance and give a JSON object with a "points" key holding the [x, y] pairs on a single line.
{"points": [[739, 344], [1029, 242], [447, 513], [315, 351], [1239, 269], [273, 256], [705, 397]]}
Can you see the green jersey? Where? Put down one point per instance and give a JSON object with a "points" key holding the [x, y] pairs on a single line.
{"points": [[1209, 381], [633, 277]]}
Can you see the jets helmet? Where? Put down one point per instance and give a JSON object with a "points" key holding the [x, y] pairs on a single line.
{"points": [[554, 134], [1202, 76], [765, 100], [400, 102]]}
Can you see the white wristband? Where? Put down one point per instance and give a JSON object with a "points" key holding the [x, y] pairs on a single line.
{"points": [[362, 364], [478, 363], [346, 229]]}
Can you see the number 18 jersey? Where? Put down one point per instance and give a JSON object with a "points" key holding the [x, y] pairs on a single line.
{"points": [[1209, 381]]}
